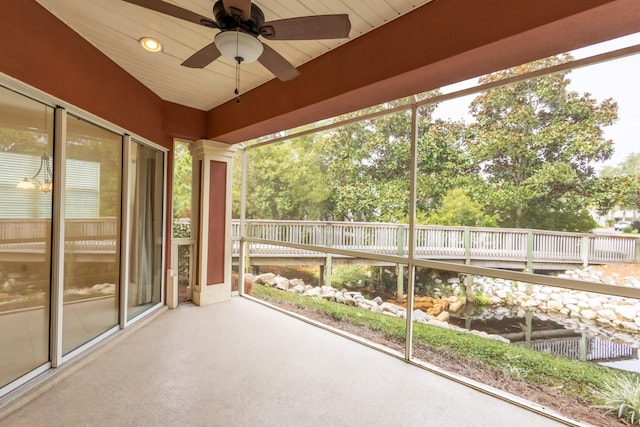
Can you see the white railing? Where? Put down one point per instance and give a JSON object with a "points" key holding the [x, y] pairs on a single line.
{"points": [[433, 242], [440, 242]]}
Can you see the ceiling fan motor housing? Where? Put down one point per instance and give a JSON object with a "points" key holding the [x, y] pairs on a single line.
{"points": [[231, 21]]}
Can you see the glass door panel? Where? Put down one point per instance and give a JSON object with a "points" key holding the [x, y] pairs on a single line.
{"points": [[146, 191], [26, 147], [92, 232]]}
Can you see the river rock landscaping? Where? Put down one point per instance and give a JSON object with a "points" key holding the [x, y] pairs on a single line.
{"points": [[598, 315]]}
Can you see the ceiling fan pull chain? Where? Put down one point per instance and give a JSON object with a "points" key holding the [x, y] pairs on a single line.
{"points": [[237, 91], [238, 61]]}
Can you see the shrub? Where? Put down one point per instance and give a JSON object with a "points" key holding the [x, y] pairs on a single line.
{"points": [[621, 396]]}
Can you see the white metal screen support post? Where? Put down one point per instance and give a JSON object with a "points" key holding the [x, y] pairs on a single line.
{"points": [[243, 211], [125, 230], [57, 235], [413, 168]]}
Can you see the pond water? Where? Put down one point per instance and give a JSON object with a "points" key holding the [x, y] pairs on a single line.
{"points": [[540, 332]]}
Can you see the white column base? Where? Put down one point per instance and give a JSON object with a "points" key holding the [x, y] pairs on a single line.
{"points": [[212, 294]]}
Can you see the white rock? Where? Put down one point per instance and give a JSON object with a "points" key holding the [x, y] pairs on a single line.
{"points": [[573, 307], [387, 307], [420, 316], [348, 299], [583, 304], [588, 314], [630, 326], [627, 312], [313, 292], [607, 314], [296, 282], [282, 283], [595, 304], [268, 279], [555, 305]]}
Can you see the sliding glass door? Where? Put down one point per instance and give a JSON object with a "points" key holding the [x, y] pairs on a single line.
{"points": [[146, 184], [26, 147], [92, 230]]}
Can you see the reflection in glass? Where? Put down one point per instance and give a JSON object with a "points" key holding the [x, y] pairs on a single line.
{"points": [[92, 224], [26, 132], [146, 190]]}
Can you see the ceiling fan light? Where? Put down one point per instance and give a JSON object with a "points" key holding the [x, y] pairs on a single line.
{"points": [[236, 44]]}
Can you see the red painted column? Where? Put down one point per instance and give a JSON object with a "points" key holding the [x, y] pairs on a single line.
{"points": [[213, 166]]}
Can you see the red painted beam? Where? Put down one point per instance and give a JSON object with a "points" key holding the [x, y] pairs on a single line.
{"points": [[439, 43]]}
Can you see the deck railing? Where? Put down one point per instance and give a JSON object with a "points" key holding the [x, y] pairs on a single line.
{"points": [[440, 242], [435, 242]]}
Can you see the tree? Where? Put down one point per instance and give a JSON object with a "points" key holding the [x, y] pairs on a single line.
{"points": [[367, 169], [536, 144], [443, 163], [459, 209], [619, 186], [182, 181], [287, 180]]}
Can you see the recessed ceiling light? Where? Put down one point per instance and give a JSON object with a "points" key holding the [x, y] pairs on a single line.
{"points": [[151, 44]]}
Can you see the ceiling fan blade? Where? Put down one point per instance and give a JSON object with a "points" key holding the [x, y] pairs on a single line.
{"points": [[175, 11], [243, 6], [308, 28], [277, 64], [203, 57]]}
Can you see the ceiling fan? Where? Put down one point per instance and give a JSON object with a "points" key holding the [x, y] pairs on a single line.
{"points": [[241, 22]]}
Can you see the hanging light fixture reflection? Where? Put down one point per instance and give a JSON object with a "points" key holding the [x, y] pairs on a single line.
{"points": [[45, 183]]}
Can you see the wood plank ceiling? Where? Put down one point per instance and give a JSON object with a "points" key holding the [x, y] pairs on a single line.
{"points": [[114, 27]]}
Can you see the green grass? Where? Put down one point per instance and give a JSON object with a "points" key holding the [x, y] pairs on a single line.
{"points": [[569, 377]]}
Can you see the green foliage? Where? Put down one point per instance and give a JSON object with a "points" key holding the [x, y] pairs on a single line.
{"points": [[287, 181], [351, 276], [481, 299], [620, 395], [630, 166], [182, 176], [619, 186], [459, 209], [367, 169], [181, 228], [536, 143]]}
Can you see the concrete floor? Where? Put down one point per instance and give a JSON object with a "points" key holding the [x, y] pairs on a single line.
{"points": [[242, 364]]}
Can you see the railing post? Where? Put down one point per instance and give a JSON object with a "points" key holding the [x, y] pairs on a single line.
{"points": [[328, 262], [328, 235], [636, 255], [582, 347], [529, 268], [584, 251], [530, 251], [327, 270], [467, 246], [400, 239], [400, 284]]}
